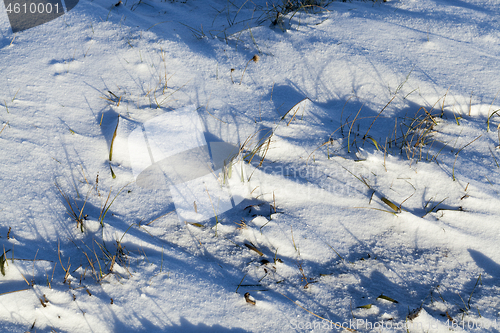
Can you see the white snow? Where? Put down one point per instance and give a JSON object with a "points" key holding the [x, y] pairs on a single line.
{"points": [[357, 209]]}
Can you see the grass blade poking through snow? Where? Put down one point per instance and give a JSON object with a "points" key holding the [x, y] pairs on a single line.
{"points": [[387, 298], [253, 248], [255, 58], [3, 261], [391, 204], [283, 117], [111, 147], [456, 156], [374, 141], [104, 209], [3, 127], [369, 128], [435, 206], [113, 139], [78, 214], [350, 130], [479, 281]]}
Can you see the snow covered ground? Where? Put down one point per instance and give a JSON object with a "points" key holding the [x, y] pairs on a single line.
{"points": [[367, 136]]}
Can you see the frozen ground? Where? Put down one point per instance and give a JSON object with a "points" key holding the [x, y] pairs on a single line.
{"points": [[373, 199]]}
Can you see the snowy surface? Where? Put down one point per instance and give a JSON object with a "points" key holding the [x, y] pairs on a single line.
{"points": [[374, 194]]}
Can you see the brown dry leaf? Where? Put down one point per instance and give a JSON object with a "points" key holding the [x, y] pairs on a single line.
{"points": [[249, 299]]}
